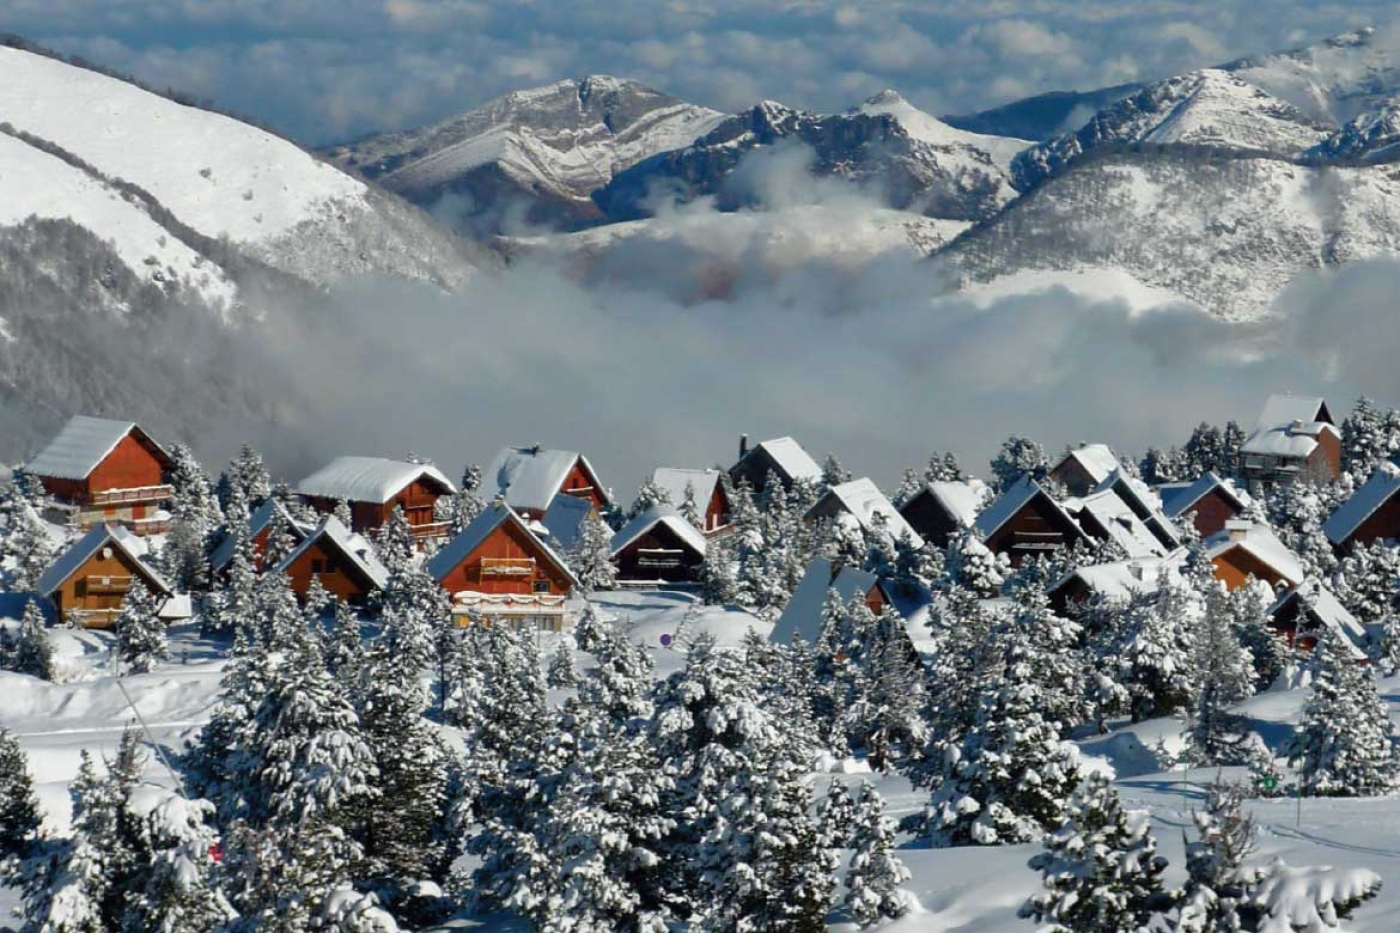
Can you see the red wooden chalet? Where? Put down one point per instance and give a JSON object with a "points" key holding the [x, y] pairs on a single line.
{"points": [[106, 471], [373, 487], [530, 477]]}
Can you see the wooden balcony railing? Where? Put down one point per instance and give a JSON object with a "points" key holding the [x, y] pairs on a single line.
{"points": [[106, 585], [507, 566], [134, 495], [430, 530]]}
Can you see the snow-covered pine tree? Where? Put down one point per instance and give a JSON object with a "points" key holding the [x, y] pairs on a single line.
{"points": [[1267, 649], [141, 638], [173, 890], [33, 651], [971, 565], [910, 485], [29, 549], [1216, 879], [1049, 644], [20, 818], [719, 583], [591, 557], [69, 895], [393, 543], [648, 495], [1368, 581], [1017, 457], [690, 509], [342, 513], [875, 872], [885, 711], [836, 815], [195, 518], [1344, 746], [833, 473], [281, 540], [1155, 653], [562, 673], [943, 468], [249, 474], [342, 646], [1365, 441], [413, 611], [1223, 674], [1100, 870]]}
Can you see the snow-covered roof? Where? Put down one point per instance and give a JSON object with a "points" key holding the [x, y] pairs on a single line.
{"points": [[1179, 500], [1373, 494], [962, 500], [789, 457], [71, 560], [1289, 427], [368, 479], [83, 443], [673, 481], [1120, 522], [1260, 542], [1328, 610], [803, 613], [659, 515], [563, 520], [1096, 459], [259, 520], [531, 476], [471, 537], [863, 500], [351, 546], [1120, 580], [1285, 409], [1012, 501]]}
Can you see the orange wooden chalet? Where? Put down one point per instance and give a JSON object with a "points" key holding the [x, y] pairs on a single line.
{"points": [[259, 527], [89, 581], [497, 569], [1244, 550], [658, 547], [106, 471], [704, 486], [373, 487], [530, 477], [344, 563]]}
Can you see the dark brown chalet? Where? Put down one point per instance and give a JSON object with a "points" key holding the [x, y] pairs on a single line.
{"points": [[658, 546], [942, 511], [1210, 500], [343, 562], [1371, 514], [1082, 470], [707, 488], [106, 471], [530, 477], [497, 569], [373, 487], [1302, 613], [783, 457], [1025, 521], [89, 581]]}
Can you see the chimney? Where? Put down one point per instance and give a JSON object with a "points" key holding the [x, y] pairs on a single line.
{"points": [[743, 445], [1237, 529]]}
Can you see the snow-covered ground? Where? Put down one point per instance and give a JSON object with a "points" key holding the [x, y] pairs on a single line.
{"points": [[977, 889]]}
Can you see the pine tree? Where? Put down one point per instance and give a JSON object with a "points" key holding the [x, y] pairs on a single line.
{"points": [[1048, 644], [394, 543], [28, 547], [174, 890], [836, 816], [281, 540], [69, 897], [1255, 631], [342, 513], [561, 672], [249, 475], [1100, 870], [1364, 439], [833, 473], [971, 565], [195, 518], [649, 495], [1216, 878], [1017, 457], [690, 509], [1366, 581], [1155, 653], [342, 646], [141, 639], [20, 819], [719, 583], [1224, 674], [591, 557], [875, 873], [1343, 746], [33, 651]]}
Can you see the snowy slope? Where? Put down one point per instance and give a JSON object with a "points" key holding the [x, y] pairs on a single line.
{"points": [[929, 129], [1373, 136], [1334, 80], [550, 146], [38, 184]]}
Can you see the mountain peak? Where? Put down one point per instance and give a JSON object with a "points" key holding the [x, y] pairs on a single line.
{"points": [[886, 97]]}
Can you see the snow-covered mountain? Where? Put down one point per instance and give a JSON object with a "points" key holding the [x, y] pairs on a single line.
{"points": [[912, 160], [1332, 81], [533, 156]]}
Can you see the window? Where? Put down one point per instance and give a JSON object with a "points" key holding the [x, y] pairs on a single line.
{"points": [[541, 586], [318, 566]]}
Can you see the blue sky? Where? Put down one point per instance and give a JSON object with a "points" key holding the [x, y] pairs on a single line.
{"points": [[326, 70]]}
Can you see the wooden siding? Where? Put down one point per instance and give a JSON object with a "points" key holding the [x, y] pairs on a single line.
{"points": [[930, 519], [716, 510], [508, 542], [1382, 524], [85, 591], [1213, 510], [1236, 565], [338, 575], [1072, 475], [755, 468], [132, 464], [579, 483], [417, 500], [1325, 462], [634, 564], [1036, 529]]}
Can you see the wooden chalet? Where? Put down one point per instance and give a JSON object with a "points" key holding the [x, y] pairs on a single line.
{"points": [[942, 511], [1117, 582], [782, 456], [1303, 612], [1082, 470], [658, 547], [1371, 514], [499, 570], [259, 526], [1210, 501], [861, 501], [802, 616], [1026, 521], [106, 471], [373, 487], [711, 500], [1295, 438], [1108, 515], [1245, 550], [89, 581], [344, 562], [530, 477]]}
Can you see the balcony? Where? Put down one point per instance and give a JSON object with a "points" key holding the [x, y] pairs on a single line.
{"points": [[659, 559], [430, 530], [106, 585], [507, 567], [135, 495]]}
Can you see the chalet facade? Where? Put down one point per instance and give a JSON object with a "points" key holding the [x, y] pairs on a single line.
{"points": [[259, 527], [344, 563], [530, 477], [1082, 470], [1245, 550], [1294, 439], [89, 581], [1026, 522], [783, 457], [1210, 501], [104, 471], [942, 511], [707, 487], [1371, 514], [498, 570], [658, 547], [1303, 612], [802, 616], [861, 501], [373, 487]]}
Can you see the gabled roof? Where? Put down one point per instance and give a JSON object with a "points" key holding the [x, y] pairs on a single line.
{"points": [[353, 548], [1119, 581], [1327, 609], [1285, 409], [1119, 522], [1178, 501], [564, 520], [789, 457], [1374, 493], [862, 500], [451, 554], [1289, 427], [1263, 545], [257, 523], [71, 560], [368, 479], [83, 443], [659, 515], [1015, 498], [803, 613], [1097, 460], [531, 476], [961, 500], [673, 481]]}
